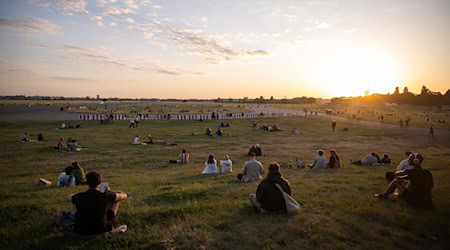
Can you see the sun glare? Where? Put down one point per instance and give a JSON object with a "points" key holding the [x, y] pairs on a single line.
{"points": [[353, 71]]}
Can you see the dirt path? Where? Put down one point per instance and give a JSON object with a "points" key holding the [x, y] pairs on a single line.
{"points": [[412, 135]]}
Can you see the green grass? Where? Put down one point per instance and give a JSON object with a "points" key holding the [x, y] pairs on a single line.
{"points": [[174, 206]]}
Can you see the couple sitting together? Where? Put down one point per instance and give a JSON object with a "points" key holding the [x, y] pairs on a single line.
{"points": [[320, 161], [211, 166]]}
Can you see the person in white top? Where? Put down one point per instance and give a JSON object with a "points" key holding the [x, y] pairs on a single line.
{"points": [[63, 125], [136, 140], [227, 165], [210, 166], [404, 164], [320, 161], [136, 121], [183, 158], [131, 122]]}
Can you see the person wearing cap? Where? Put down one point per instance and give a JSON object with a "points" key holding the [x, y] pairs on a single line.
{"points": [[252, 170], [417, 192], [334, 160], [268, 197], [319, 161]]}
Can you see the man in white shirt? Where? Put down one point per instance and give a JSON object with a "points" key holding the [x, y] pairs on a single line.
{"points": [[131, 122], [252, 170], [404, 164], [320, 160], [136, 140]]}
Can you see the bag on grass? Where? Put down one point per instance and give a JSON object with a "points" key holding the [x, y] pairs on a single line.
{"points": [[291, 204]]}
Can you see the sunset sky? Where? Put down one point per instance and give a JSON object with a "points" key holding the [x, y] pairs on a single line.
{"points": [[222, 48]]}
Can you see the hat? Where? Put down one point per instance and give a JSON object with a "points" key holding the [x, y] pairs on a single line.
{"points": [[332, 150]]}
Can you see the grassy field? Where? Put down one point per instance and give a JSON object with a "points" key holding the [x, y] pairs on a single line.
{"points": [[174, 206], [392, 114], [166, 108]]}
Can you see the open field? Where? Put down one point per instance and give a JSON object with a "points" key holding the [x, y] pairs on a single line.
{"points": [[392, 114], [173, 206], [165, 108]]}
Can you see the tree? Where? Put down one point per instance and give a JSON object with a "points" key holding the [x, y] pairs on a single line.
{"points": [[271, 98], [405, 90], [424, 91]]}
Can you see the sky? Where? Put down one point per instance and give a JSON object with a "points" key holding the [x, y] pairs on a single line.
{"points": [[228, 49]]}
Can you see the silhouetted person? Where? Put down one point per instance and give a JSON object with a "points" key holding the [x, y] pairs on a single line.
{"points": [[333, 125], [431, 132]]}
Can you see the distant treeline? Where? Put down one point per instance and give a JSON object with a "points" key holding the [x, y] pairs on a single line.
{"points": [[296, 100], [426, 97]]}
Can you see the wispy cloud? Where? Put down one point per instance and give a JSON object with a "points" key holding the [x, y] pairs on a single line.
{"points": [[69, 7], [30, 24], [323, 26], [73, 79], [211, 48], [101, 56]]}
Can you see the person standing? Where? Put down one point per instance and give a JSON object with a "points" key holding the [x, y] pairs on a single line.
{"points": [[431, 133], [333, 125], [131, 122], [136, 121]]}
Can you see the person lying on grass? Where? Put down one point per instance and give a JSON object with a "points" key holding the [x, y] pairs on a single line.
{"points": [[385, 159], [252, 170], [417, 192], [95, 211], [268, 197], [369, 160], [210, 166]]}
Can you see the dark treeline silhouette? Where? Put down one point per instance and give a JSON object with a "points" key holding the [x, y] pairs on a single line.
{"points": [[426, 97], [271, 100]]}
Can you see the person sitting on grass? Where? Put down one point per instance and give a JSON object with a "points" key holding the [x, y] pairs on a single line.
{"points": [[417, 192], [61, 144], [252, 170], [258, 150], [77, 173], [334, 160], [219, 132], [208, 132], [64, 179], [404, 164], [227, 165], [24, 138], [210, 166], [295, 131], [385, 159], [63, 125], [95, 211], [319, 160], [183, 158], [136, 140], [369, 160], [72, 145], [268, 197], [149, 139], [40, 137]]}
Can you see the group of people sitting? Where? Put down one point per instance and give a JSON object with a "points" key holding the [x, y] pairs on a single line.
{"points": [[270, 127], [410, 182], [256, 149], [320, 161], [373, 159], [211, 165], [71, 145], [73, 175], [70, 125], [25, 137], [218, 132]]}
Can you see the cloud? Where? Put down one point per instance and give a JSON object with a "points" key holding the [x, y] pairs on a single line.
{"points": [[30, 24], [210, 48], [323, 26], [100, 55], [72, 79], [98, 20], [350, 30], [68, 7]]}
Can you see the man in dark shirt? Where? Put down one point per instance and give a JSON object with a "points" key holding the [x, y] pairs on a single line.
{"points": [[94, 210], [418, 190], [268, 197]]}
